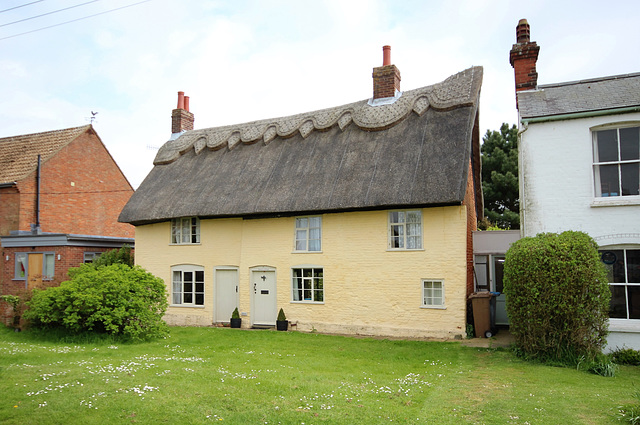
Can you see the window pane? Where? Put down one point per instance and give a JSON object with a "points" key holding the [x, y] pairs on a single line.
{"points": [[607, 145], [314, 222], [314, 233], [609, 180], [21, 266], [614, 262], [630, 179], [199, 299], [618, 305], [633, 266], [199, 275], [629, 143], [188, 298], [413, 217], [48, 266], [633, 292], [302, 223], [314, 245]]}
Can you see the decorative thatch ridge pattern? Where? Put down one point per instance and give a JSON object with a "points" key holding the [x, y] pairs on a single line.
{"points": [[456, 91]]}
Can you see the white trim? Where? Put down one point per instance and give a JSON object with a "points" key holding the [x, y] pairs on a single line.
{"points": [[442, 306], [292, 291]]}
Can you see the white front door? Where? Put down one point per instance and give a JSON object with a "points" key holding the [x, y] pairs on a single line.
{"points": [[226, 294], [263, 288]]}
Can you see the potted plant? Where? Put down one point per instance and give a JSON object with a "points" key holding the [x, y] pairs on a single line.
{"points": [[282, 324], [236, 321]]}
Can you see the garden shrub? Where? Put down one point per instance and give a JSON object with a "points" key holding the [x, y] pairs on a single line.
{"points": [[626, 356], [115, 299], [558, 297], [115, 256]]}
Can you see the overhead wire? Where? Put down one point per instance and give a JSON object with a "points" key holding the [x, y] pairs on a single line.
{"points": [[48, 13], [74, 20], [22, 5]]}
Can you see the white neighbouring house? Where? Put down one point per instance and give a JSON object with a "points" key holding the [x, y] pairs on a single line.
{"points": [[579, 169]]}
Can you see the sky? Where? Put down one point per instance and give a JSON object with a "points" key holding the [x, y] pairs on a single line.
{"points": [[244, 60]]}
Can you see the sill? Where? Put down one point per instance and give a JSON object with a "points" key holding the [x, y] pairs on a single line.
{"points": [[404, 250], [18, 279], [434, 307], [307, 302], [306, 252], [186, 306], [624, 325], [615, 201]]}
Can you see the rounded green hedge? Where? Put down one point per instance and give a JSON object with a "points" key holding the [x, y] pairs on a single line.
{"points": [[557, 296], [116, 299]]}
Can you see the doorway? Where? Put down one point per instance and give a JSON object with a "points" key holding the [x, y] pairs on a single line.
{"points": [[226, 281], [263, 292]]}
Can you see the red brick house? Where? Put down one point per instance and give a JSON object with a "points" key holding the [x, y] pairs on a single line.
{"points": [[60, 196]]}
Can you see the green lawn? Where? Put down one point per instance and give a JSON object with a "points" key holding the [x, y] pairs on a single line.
{"points": [[206, 375]]}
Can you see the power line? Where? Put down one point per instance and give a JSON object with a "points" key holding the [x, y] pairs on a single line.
{"points": [[74, 20], [18, 7], [48, 13]]}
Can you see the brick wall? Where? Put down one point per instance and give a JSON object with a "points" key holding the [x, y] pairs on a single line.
{"points": [[82, 192], [9, 209]]}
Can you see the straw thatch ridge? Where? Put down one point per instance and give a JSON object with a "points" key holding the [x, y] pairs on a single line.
{"points": [[409, 155]]}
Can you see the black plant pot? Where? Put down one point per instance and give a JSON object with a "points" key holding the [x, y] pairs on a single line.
{"points": [[236, 323], [282, 325]]}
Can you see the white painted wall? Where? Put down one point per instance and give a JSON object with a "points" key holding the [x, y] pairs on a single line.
{"points": [[557, 194]]}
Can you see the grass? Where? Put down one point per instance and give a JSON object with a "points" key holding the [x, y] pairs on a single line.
{"points": [[212, 375]]}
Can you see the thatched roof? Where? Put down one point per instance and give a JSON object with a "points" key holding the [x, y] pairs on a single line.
{"points": [[413, 152], [19, 154]]}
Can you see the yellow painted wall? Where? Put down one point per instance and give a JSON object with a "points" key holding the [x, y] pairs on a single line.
{"points": [[367, 288]]}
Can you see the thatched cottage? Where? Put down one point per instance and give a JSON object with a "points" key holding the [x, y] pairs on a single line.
{"points": [[355, 219]]}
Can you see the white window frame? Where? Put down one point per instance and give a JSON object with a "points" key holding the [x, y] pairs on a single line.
{"points": [[618, 162], [178, 293], [185, 231], [398, 229], [626, 284], [428, 294], [302, 234], [298, 293]]}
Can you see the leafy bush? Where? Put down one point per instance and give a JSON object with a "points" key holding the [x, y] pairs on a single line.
{"points": [[116, 299], [558, 297], [626, 356], [116, 256]]}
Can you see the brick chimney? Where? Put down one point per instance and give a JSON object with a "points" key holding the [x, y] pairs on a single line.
{"points": [[181, 118], [386, 78], [523, 58]]}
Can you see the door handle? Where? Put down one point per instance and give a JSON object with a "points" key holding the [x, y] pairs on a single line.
{"points": [[254, 289]]}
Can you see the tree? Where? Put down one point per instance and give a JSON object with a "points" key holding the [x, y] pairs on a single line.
{"points": [[558, 296], [500, 177]]}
